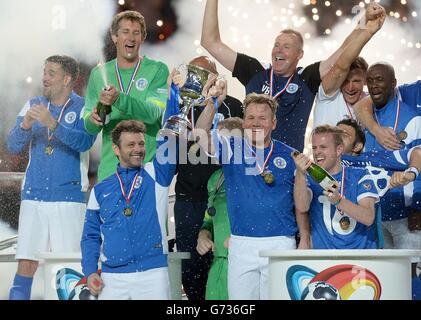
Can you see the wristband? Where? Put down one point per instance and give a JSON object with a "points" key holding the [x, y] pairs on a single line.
{"points": [[413, 170], [24, 129], [337, 202]]}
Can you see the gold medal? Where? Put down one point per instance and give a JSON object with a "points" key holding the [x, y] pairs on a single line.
{"points": [[402, 135], [344, 223], [128, 212], [268, 177], [48, 150]]}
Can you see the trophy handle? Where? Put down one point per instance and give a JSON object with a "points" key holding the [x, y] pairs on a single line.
{"points": [[189, 103]]}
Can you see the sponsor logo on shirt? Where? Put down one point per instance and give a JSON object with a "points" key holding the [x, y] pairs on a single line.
{"points": [[162, 91], [70, 117], [141, 84], [280, 162], [266, 89]]}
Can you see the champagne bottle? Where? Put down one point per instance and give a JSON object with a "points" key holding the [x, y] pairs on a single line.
{"points": [[103, 110], [318, 174]]}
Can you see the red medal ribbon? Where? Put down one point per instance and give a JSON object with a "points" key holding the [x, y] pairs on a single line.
{"points": [[271, 84], [266, 160], [127, 198], [50, 136], [120, 81]]}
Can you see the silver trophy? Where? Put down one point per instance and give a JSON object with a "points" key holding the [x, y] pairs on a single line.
{"points": [[193, 80]]}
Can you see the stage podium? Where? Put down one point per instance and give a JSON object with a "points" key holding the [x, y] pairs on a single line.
{"points": [[68, 264], [340, 274]]}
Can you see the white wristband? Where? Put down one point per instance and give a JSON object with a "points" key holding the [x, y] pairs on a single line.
{"points": [[413, 170], [23, 127]]}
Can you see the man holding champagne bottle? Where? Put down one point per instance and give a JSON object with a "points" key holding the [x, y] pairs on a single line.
{"points": [[136, 89], [341, 213]]}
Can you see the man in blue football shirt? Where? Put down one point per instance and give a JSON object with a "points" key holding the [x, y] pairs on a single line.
{"points": [[56, 179], [405, 164], [125, 223], [259, 174], [404, 120], [341, 217], [408, 93]]}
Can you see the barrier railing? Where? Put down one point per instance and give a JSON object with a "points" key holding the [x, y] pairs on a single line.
{"points": [[14, 176], [7, 243]]}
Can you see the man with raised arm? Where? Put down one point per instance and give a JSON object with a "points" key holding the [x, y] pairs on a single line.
{"points": [[293, 88], [259, 175]]}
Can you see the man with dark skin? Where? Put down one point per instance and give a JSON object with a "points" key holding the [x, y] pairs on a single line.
{"points": [[404, 120]]}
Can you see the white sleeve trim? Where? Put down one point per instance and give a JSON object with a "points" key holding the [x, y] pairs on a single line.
{"points": [[150, 169], [93, 203], [413, 128], [409, 154], [398, 157], [25, 109], [368, 195]]}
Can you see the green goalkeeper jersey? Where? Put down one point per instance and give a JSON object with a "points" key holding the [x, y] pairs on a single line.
{"points": [[145, 102]]}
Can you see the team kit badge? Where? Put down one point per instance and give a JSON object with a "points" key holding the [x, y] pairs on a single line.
{"points": [[141, 84]]}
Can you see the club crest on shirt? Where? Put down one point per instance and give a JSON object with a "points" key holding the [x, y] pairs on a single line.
{"points": [[138, 182], [292, 88], [280, 162], [70, 117], [141, 84], [367, 186]]}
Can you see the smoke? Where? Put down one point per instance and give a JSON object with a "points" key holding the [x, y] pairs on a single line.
{"points": [[33, 30]]}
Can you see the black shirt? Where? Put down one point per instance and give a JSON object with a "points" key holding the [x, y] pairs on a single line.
{"points": [[192, 179], [294, 104]]}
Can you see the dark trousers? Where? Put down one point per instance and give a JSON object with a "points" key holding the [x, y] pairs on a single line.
{"points": [[188, 220]]}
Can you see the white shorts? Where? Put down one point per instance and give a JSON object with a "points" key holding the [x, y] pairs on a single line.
{"points": [[151, 284], [49, 226], [397, 236], [247, 271]]}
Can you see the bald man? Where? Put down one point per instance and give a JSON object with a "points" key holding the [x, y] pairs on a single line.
{"points": [[390, 111], [192, 196]]}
